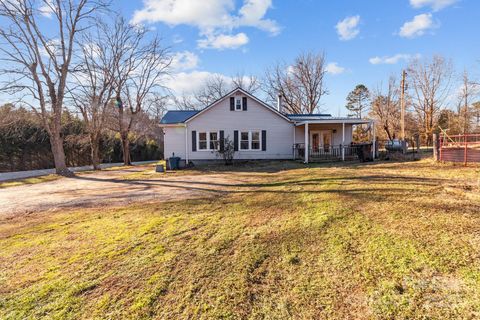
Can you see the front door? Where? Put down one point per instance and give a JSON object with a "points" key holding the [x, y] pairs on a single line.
{"points": [[321, 140], [315, 141], [326, 141]]}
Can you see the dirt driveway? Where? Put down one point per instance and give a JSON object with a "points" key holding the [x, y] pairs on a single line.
{"points": [[109, 188]]}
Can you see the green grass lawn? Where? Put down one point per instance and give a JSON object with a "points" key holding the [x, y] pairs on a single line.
{"points": [[372, 241]]}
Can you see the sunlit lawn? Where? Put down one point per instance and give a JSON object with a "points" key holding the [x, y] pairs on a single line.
{"points": [[33, 180], [384, 240]]}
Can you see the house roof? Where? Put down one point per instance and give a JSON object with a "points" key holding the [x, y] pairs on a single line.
{"points": [[305, 116], [248, 95], [177, 116], [173, 117], [330, 120]]}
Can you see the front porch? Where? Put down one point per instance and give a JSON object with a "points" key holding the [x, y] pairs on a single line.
{"points": [[330, 139], [329, 153]]}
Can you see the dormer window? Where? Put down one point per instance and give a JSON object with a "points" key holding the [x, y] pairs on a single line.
{"points": [[238, 103]]}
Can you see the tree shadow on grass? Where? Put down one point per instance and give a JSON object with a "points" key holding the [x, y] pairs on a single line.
{"points": [[366, 187]]}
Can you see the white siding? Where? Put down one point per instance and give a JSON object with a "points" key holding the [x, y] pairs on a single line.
{"points": [[174, 141], [256, 117], [337, 136]]}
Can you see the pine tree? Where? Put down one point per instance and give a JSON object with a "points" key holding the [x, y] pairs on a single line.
{"points": [[358, 101]]}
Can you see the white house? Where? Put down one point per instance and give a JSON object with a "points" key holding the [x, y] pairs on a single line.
{"points": [[257, 130]]}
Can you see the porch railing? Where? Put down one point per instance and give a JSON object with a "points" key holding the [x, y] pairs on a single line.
{"points": [[327, 153]]}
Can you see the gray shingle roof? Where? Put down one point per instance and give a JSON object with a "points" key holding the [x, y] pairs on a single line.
{"points": [[177, 116]]}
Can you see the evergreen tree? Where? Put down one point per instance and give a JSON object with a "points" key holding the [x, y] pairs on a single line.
{"points": [[358, 101]]}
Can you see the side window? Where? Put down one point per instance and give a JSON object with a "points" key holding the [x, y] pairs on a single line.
{"points": [[202, 141]]}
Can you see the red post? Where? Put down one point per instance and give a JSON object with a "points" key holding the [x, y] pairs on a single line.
{"points": [[440, 148], [465, 152]]}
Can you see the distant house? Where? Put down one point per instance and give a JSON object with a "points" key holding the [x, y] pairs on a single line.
{"points": [[257, 130]]}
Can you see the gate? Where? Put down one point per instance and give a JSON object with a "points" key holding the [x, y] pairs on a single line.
{"points": [[459, 148]]}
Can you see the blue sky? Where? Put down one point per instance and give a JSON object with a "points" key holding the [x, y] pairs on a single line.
{"points": [[365, 41]]}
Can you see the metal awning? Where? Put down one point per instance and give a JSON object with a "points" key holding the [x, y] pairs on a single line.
{"points": [[334, 121]]}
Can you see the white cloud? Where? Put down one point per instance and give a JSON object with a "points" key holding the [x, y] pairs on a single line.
{"points": [[418, 26], [46, 9], [392, 59], [215, 19], [436, 5], [252, 13], [223, 41], [188, 83], [334, 68], [184, 60], [348, 29]]}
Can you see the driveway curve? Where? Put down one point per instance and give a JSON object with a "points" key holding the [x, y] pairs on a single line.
{"points": [[109, 188]]}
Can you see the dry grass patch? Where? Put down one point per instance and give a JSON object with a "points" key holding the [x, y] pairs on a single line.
{"points": [[384, 240], [34, 180]]}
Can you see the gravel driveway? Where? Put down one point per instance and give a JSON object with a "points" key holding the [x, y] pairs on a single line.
{"points": [[108, 188]]}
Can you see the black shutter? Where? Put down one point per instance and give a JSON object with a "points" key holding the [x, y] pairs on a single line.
{"points": [[194, 140], [235, 140], [232, 104], [222, 142], [244, 103], [264, 140]]}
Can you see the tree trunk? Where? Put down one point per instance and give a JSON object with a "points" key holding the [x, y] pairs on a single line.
{"points": [[387, 131], [95, 151], [56, 142], [126, 149]]}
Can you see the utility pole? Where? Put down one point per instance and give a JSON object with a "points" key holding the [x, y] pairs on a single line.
{"points": [[402, 103]]}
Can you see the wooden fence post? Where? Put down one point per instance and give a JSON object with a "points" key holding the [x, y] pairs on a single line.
{"points": [[465, 152], [436, 147]]}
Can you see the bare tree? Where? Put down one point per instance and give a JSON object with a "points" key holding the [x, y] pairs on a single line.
{"points": [[476, 115], [468, 91], [215, 87], [386, 108], [37, 61], [141, 65], [431, 84], [249, 83], [92, 87], [300, 84]]}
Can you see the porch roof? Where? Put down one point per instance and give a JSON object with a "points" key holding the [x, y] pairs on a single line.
{"points": [[331, 120]]}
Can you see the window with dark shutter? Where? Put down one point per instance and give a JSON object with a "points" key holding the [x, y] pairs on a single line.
{"points": [[244, 103], [232, 103], [194, 140], [222, 141], [235, 140], [264, 140]]}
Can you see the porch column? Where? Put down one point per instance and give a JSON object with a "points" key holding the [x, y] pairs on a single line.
{"points": [[294, 141], [343, 141], [306, 143], [372, 123]]}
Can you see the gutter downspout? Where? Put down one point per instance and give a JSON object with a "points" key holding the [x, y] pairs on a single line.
{"points": [[186, 144]]}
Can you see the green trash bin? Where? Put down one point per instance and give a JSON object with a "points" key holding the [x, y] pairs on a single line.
{"points": [[174, 163]]}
